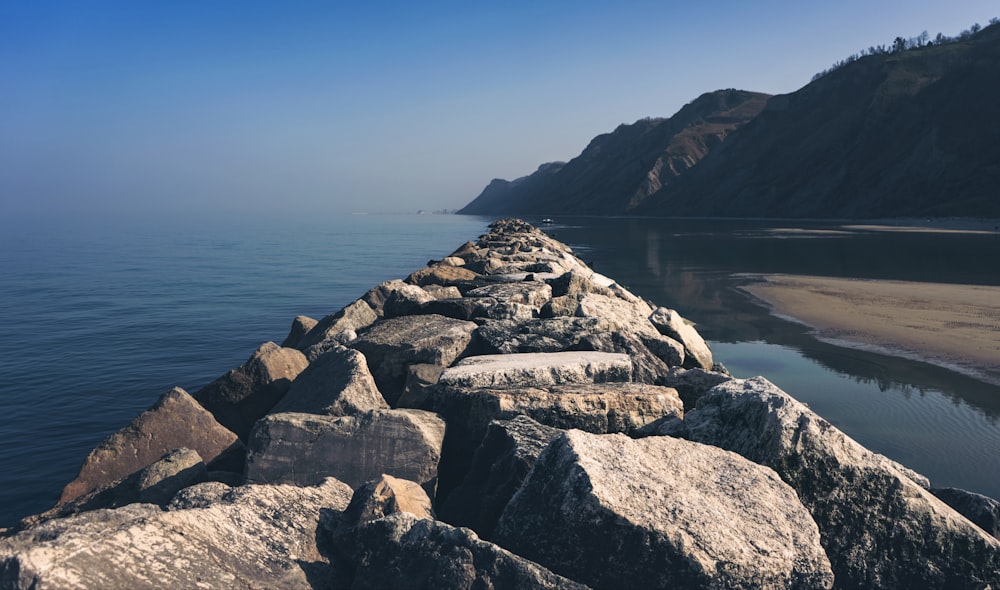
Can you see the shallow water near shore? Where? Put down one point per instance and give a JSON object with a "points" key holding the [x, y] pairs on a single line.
{"points": [[99, 318]]}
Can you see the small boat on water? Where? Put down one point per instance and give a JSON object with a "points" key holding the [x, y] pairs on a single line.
{"points": [[546, 221]]}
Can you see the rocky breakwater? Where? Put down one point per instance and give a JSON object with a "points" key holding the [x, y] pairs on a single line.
{"points": [[503, 418]]}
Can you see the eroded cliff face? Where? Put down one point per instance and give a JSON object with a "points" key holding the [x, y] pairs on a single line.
{"points": [[509, 389]]}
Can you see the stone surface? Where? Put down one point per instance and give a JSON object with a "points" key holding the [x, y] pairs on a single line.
{"points": [[405, 300], [540, 369], [420, 379], [391, 345], [337, 383], [300, 327], [444, 275], [461, 308], [499, 467], [532, 293], [880, 529], [691, 384], [537, 335], [697, 354], [240, 397], [575, 285], [646, 366], [212, 537], [355, 316], [660, 512], [174, 421], [624, 316], [303, 449], [374, 500], [404, 552], [982, 510], [598, 408]]}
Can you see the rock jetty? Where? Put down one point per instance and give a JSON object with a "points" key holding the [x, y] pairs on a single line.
{"points": [[502, 418]]}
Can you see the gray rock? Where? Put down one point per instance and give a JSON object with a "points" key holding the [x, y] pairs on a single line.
{"points": [[355, 316], [498, 469], [420, 379], [441, 275], [462, 308], [405, 300], [442, 292], [247, 537], [404, 552], [624, 316], [575, 285], [982, 510], [174, 421], [374, 500], [880, 529], [661, 512], [670, 323], [338, 383], [691, 384], [540, 369], [332, 343], [240, 397], [598, 408], [563, 306], [646, 366], [537, 335], [300, 327], [303, 449], [531, 293], [391, 345]]}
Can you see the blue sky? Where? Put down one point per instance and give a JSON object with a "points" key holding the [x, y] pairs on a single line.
{"points": [[326, 107]]}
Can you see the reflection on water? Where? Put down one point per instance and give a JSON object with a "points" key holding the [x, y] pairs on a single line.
{"points": [[941, 423]]}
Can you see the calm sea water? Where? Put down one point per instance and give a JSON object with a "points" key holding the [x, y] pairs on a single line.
{"points": [[99, 319]]}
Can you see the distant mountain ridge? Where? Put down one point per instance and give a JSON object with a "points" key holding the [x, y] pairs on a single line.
{"points": [[618, 171], [911, 133]]}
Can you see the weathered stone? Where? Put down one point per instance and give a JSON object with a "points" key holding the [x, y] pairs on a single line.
{"points": [[442, 292], [338, 383], [303, 449], [575, 285], [533, 293], [240, 397], [405, 300], [300, 327], [697, 354], [441, 275], [453, 261], [247, 537], [376, 296], [880, 529], [622, 315], [982, 510], [691, 384], [461, 308], [660, 512], [391, 345], [420, 379], [499, 467], [564, 306], [541, 368], [597, 408], [404, 552], [646, 366], [333, 342], [374, 500], [538, 335], [174, 421], [355, 316]]}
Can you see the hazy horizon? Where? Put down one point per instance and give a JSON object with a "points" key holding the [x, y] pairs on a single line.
{"points": [[180, 108]]}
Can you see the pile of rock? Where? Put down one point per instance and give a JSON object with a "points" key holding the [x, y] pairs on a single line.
{"points": [[504, 417]]}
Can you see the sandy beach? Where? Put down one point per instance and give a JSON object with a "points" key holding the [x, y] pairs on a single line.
{"points": [[955, 326]]}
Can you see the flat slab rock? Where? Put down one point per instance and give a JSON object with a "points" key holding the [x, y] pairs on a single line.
{"points": [[303, 449], [660, 512], [879, 527], [211, 537], [540, 369]]}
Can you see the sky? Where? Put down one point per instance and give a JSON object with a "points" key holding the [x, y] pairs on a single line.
{"points": [[312, 108]]}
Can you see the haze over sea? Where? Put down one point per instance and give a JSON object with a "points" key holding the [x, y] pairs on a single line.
{"points": [[100, 318]]}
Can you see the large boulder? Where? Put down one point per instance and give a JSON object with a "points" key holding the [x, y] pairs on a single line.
{"points": [[576, 284], [499, 467], [982, 510], [245, 394], [303, 449], [300, 327], [445, 275], [532, 293], [212, 536], [632, 317], [337, 383], [405, 299], [541, 369], [660, 512], [404, 552], [352, 318], [554, 334], [880, 529], [174, 421], [391, 345], [647, 367], [670, 323]]}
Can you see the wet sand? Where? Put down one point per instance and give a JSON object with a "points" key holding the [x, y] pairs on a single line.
{"points": [[954, 326]]}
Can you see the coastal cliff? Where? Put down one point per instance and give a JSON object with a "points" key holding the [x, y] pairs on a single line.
{"points": [[504, 417]]}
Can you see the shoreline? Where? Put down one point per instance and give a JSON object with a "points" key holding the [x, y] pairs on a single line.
{"points": [[956, 327]]}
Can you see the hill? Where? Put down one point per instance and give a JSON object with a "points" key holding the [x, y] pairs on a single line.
{"points": [[894, 134], [618, 171]]}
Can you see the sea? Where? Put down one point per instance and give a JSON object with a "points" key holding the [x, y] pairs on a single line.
{"points": [[99, 317]]}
